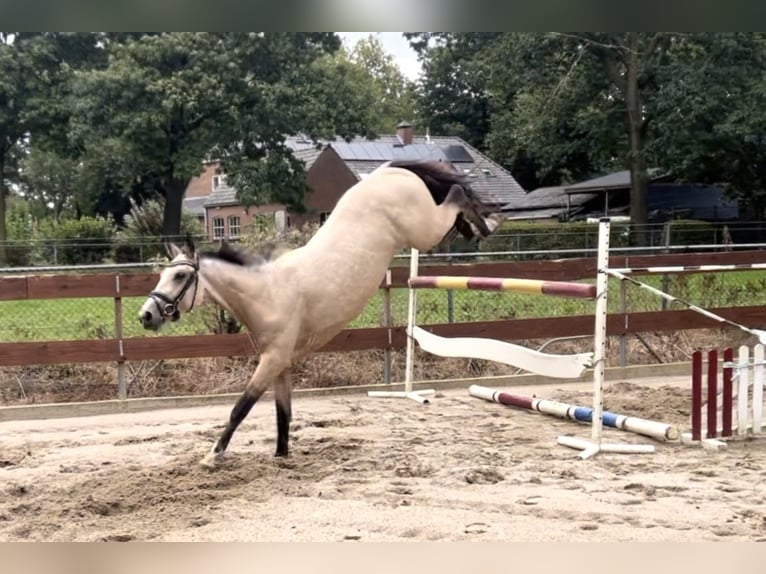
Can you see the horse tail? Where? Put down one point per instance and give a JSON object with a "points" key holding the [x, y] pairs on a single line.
{"points": [[439, 178]]}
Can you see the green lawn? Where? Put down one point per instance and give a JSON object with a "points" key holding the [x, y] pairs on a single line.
{"points": [[61, 319]]}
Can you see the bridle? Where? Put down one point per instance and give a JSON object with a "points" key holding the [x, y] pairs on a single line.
{"points": [[169, 307]]}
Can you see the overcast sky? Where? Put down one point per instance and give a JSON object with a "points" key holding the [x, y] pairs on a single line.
{"points": [[393, 43]]}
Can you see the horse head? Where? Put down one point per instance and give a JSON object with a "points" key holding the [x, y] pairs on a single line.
{"points": [[176, 289]]}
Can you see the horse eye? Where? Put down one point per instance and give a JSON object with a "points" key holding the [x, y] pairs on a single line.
{"points": [[179, 276]]}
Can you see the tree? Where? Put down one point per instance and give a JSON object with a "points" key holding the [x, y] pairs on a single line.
{"points": [[567, 66], [166, 102], [50, 182], [392, 93], [17, 81], [710, 111], [555, 119], [452, 94], [33, 67]]}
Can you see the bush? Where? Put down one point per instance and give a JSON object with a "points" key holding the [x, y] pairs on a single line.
{"points": [[83, 241], [524, 236], [20, 232], [141, 238]]}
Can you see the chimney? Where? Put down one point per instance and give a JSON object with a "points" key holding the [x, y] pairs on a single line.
{"points": [[404, 132]]}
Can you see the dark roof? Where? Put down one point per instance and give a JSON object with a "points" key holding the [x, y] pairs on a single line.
{"points": [[307, 155], [549, 197], [492, 183], [195, 205], [222, 195], [528, 214], [616, 180], [704, 202]]}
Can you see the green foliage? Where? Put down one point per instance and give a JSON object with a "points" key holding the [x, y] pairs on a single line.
{"points": [[78, 241], [526, 236], [710, 112], [51, 182], [141, 237], [21, 231], [452, 93], [35, 67], [167, 101], [392, 94]]}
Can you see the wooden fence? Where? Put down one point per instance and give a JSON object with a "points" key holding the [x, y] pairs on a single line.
{"points": [[120, 350]]}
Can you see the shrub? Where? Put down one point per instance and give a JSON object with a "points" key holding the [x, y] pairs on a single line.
{"points": [[83, 241], [141, 237]]}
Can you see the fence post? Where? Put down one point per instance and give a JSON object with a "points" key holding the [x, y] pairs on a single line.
{"points": [[450, 295], [388, 322], [624, 311], [122, 392], [665, 276]]}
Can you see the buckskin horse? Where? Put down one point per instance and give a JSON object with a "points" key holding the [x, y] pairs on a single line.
{"points": [[296, 302]]}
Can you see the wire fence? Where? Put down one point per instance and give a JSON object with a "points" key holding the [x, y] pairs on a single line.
{"points": [[521, 242], [94, 318]]}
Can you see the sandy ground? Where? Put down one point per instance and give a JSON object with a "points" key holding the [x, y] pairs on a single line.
{"points": [[368, 469]]}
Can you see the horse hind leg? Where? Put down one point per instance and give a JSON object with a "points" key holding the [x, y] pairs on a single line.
{"points": [[266, 371], [283, 402]]}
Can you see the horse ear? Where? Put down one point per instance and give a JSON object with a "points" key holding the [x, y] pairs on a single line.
{"points": [[189, 246], [172, 249]]}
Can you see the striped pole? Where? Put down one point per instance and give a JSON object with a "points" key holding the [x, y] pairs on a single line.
{"points": [[657, 430], [757, 332], [689, 268], [533, 286]]}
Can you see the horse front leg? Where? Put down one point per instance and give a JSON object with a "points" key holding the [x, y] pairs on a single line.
{"points": [[283, 402], [266, 371]]}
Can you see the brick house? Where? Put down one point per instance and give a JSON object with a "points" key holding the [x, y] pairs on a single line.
{"points": [[334, 168]]}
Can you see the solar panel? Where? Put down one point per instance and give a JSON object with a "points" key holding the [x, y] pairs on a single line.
{"points": [[360, 151], [384, 151], [343, 149], [372, 151], [457, 153]]}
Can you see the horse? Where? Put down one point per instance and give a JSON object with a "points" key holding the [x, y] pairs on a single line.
{"points": [[294, 303]]}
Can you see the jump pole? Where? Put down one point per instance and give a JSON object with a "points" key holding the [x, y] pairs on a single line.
{"points": [[654, 429], [761, 334], [419, 396]]}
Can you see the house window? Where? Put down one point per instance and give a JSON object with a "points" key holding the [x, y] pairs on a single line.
{"points": [[218, 181], [233, 226], [323, 217], [218, 227]]}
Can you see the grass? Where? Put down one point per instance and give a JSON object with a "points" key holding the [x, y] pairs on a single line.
{"points": [[92, 318]]}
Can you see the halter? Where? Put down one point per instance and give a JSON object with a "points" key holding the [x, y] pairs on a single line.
{"points": [[169, 307]]}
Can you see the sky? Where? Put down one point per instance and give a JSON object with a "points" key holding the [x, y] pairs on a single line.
{"points": [[393, 43]]}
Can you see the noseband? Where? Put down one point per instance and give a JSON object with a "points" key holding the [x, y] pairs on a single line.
{"points": [[169, 307]]}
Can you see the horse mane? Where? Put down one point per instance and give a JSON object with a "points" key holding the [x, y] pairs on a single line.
{"points": [[439, 177], [241, 256]]}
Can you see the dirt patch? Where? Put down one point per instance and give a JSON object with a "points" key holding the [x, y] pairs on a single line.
{"points": [[376, 469]]}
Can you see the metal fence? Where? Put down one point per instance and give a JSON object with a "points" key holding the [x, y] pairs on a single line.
{"points": [[93, 317], [558, 241]]}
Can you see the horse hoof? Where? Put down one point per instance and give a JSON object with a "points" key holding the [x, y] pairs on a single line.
{"points": [[211, 460]]}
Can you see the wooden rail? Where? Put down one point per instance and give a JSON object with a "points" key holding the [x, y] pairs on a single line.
{"points": [[118, 286]]}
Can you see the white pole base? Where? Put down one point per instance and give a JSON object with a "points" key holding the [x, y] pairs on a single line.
{"points": [[706, 443], [414, 395], [590, 449]]}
